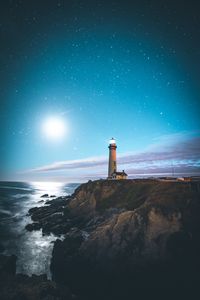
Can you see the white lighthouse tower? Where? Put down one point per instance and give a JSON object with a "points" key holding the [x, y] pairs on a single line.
{"points": [[112, 164]]}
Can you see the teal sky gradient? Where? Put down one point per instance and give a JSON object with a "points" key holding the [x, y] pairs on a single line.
{"points": [[110, 69]]}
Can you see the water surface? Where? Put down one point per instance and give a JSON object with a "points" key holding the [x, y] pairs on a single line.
{"points": [[32, 248]]}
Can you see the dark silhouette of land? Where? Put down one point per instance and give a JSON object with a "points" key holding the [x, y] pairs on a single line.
{"points": [[122, 237]]}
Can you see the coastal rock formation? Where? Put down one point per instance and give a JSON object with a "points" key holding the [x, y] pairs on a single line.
{"points": [[50, 217], [45, 196], [23, 287], [124, 235], [131, 234]]}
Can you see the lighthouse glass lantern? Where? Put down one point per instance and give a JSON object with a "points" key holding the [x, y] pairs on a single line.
{"points": [[112, 141]]}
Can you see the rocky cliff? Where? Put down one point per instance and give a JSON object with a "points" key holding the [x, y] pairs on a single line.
{"points": [[125, 235], [22, 287]]}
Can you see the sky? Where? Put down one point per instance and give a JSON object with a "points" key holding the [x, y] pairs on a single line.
{"points": [[122, 69]]}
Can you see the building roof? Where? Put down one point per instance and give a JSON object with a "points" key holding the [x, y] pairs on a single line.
{"points": [[119, 173]]}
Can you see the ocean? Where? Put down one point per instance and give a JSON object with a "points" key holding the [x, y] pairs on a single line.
{"points": [[32, 249]]}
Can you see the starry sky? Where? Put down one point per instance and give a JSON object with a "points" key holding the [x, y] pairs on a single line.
{"points": [[123, 69]]}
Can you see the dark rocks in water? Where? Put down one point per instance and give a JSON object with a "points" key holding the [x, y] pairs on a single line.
{"points": [[58, 202], [32, 210], [52, 196], [23, 287], [45, 196], [43, 212], [56, 223], [51, 217], [41, 201], [33, 226]]}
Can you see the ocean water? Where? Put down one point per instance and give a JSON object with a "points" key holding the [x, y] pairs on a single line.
{"points": [[32, 249]]}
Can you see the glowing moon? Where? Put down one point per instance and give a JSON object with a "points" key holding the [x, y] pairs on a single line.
{"points": [[54, 128]]}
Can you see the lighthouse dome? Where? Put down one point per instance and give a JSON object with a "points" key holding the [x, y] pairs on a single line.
{"points": [[112, 141]]}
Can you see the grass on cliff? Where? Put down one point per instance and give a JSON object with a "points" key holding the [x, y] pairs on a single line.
{"points": [[129, 195]]}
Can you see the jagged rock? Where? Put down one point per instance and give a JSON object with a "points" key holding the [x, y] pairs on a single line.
{"points": [[51, 218], [146, 232], [41, 201], [58, 202], [33, 226], [45, 196], [122, 235], [43, 212], [23, 287]]}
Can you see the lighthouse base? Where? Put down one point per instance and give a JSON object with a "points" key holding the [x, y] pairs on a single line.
{"points": [[118, 176]]}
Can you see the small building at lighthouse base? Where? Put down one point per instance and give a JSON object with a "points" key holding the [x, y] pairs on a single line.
{"points": [[118, 175]]}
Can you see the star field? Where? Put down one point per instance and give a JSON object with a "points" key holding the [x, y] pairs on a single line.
{"points": [[127, 69]]}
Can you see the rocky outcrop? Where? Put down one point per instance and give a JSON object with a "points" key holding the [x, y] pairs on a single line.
{"points": [[23, 287], [45, 196], [50, 217], [124, 235], [133, 234]]}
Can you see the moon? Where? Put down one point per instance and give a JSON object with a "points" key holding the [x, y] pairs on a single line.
{"points": [[54, 128]]}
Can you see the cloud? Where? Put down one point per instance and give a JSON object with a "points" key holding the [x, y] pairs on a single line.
{"points": [[72, 164], [181, 152]]}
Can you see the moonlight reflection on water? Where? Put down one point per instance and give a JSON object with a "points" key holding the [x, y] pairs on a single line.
{"points": [[35, 253], [32, 249]]}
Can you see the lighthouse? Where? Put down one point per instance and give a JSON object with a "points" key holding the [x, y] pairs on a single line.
{"points": [[112, 164]]}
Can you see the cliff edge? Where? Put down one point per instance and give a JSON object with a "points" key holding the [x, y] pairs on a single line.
{"points": [[130, 234], [123, 235]]}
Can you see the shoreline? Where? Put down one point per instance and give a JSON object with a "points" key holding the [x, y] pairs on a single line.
{"points": [[117, 231]]}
